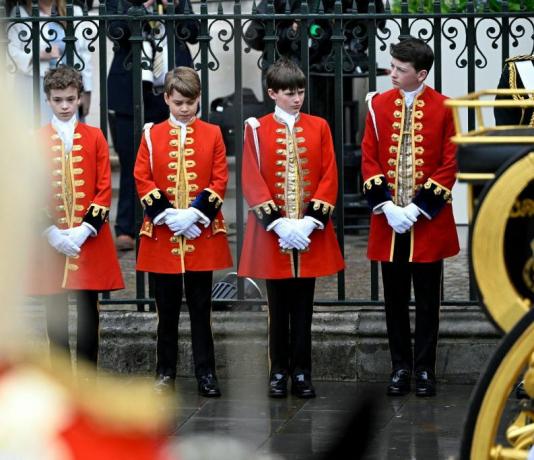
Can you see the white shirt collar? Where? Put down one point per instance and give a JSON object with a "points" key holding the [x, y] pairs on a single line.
{"points": [[183, 131], [409, 96], [65, 131], [287, 118]]}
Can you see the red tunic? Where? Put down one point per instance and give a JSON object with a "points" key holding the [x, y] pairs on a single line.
{"points": [[179, 176], [80, 191], [434, 173], [268, 189]]}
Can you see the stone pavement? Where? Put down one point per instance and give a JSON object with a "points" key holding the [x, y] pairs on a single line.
{"points": [[406, 428]]}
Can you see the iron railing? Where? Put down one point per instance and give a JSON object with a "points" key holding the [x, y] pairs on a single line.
{"points": [[356, 39]]}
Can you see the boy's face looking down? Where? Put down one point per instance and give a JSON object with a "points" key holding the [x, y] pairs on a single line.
{"points": [[181, 107], [289, 100], [64, 102], [404, 76]]}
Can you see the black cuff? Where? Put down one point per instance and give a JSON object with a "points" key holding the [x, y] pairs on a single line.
{"points": [[155, 202], [319, 210], [208, 203], [96, 216], [376, 190], [432, 197], [267, 213]]}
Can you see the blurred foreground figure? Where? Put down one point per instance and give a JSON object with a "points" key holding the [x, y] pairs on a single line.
{"points": [[45, 415]]}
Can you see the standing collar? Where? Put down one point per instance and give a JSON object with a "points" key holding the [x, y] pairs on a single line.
{"points": [[409, 96]]}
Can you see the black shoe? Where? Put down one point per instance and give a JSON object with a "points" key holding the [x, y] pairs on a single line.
{"points": [[399, 383], [302, 387], [278, 385], [425, 383], [208, 386], [164, 384]]}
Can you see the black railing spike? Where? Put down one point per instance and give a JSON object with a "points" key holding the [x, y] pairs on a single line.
{"points": [[421, 6], [187, 8], [287, 7], [220, 9], [387, 7], [254, 7]]}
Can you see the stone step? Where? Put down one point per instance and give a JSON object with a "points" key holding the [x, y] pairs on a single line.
{"points": [[348, 344]]}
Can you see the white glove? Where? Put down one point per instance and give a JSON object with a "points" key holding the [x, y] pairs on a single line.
{"points": [[160, 218], [291, 236], [79, 234], [412, 212], [191, 232], [178, 220], [306, 225], [397, 219], [61, 242]]}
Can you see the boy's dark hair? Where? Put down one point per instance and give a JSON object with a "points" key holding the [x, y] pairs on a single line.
{"points": [[184, 80], [285, 74], [414, 51], [62, 77]]}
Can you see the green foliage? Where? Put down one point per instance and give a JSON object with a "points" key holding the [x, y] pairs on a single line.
{"points": [[448, 6]]}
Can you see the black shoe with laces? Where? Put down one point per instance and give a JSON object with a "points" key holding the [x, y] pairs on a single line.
{"points": [[208, 386], [399, 383]]}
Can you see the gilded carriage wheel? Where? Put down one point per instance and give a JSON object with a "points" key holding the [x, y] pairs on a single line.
{"points": [[483, 434], [502, 243]]}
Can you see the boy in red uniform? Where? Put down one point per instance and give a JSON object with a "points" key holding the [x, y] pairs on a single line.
{"points": [[409, 168], [290, 183], [84, 260], [181, 175]]}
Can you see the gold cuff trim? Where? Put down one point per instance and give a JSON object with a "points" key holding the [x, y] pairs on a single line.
{"points": [[267, 207], [327, 208], [148, 199], [374, 180]]}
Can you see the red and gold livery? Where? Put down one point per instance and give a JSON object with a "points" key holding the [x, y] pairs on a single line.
{"points": [[434, 173], [169, 174], [293, 175]]}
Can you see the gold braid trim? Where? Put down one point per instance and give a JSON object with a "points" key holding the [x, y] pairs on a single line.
{"points": [[374, 180], [439, 189], [98, 210], [214, 197], [148, 199], [264, 208], [327, 208], [521, 57]]}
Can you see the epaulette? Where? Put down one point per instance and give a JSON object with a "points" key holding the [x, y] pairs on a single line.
{"points": [[522, 57]]}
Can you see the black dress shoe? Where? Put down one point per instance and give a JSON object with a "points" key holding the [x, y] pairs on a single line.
{"points": [[164, 384], [278, 385], [399, 383], [302, 387], [208, 386], [425, 383]]}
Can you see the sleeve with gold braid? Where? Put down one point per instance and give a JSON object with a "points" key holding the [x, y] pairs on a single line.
{"points": [[96, 215], [267, 213], [155, 202], [208, 203], [432, 197], [319, 210], [376, 190]]}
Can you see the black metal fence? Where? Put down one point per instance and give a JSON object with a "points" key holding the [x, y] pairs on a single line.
{"points": [[334, 42]]}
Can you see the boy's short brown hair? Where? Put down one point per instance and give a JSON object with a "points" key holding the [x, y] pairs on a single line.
{"points": [[183, 79], [285, 74], [415, 51], [62, 77]]}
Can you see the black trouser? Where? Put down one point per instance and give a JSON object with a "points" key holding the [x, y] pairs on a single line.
{"points": [[168, 291], [124, 224], [397, 277], [57, 323], [290, 319]]}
